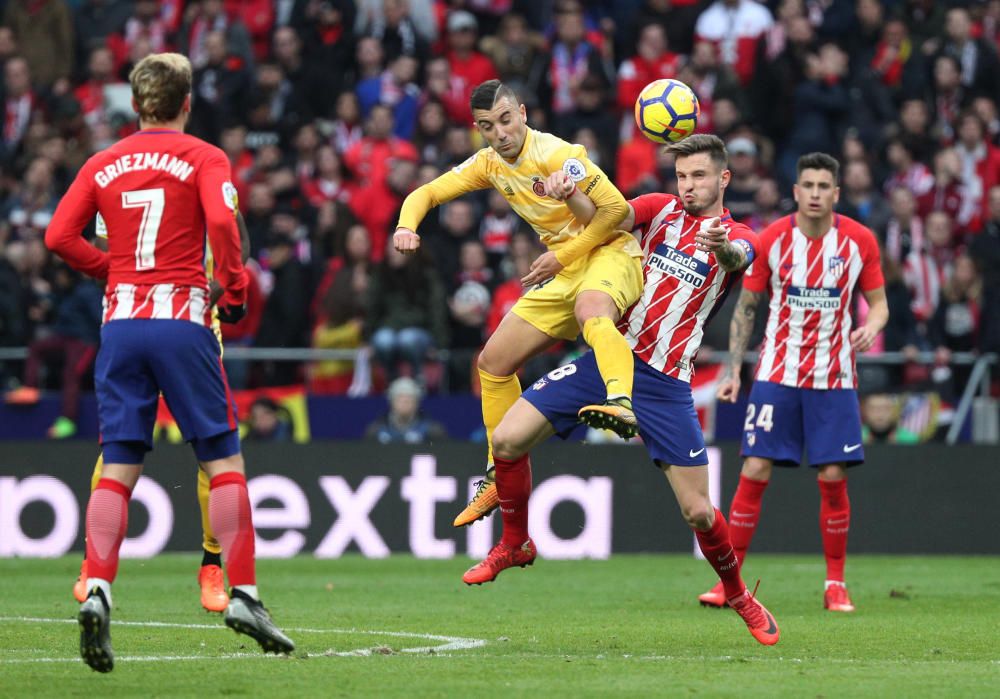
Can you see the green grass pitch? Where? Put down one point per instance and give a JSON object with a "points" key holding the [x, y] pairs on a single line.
{"points": [[630, 626]]}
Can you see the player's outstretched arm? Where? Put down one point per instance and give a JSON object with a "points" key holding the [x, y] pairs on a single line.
{"points": [[731, 255], [740, 329], [863, 338], [466, 177]]}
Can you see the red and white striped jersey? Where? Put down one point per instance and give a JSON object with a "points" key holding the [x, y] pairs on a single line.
{"points": [[158, 192], [811, 283], [683, 285]]}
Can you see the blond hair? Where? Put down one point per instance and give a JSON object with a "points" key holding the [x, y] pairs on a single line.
{"points": [[160, 84]]}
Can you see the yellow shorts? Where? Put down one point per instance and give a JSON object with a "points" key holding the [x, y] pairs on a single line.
{"points": [[550, 305]]}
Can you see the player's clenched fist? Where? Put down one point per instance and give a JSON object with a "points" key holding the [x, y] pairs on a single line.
{"points": [[728, 389], [559, 185], [405, 241]]}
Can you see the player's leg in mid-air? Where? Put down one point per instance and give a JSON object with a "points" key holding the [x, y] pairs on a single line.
{"points": [[611, 282], [667, 419], [590, 294], [138, 359], [210, 575], [515, 341]]}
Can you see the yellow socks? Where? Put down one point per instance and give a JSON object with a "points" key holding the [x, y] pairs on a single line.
{"points": [[614, 356], [499, 394], [98, 469], [209, 542]]}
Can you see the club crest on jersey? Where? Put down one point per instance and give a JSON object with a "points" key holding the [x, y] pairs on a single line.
{"points": [[836, 266], [813, 298], [537, 186], [751, 438], [229, 196], [679, 265]]}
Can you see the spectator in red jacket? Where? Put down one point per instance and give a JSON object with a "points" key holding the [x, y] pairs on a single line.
{"points": [[368, 159], [466, 62], [652, 61]]}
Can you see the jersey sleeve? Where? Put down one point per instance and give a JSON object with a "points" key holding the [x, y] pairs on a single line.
{"points": [[646, 207], [743, 237], [757, 277], [64, 236], [465, 177], [218, 199], [611, 206], [871, 261]]}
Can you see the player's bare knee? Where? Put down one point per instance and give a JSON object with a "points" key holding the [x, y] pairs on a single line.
{"points": [[698, 514], [506, 444], [757, 469], [832, 472], [494, 364]]}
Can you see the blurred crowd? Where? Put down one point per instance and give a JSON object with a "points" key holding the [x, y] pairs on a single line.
{"points": [[331, 111]]}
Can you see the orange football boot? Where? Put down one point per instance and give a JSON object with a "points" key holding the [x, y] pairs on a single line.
{"points": [[761, 623], [80, 586], [615, 414], [213, 589], [716, 597], [483, 502]]}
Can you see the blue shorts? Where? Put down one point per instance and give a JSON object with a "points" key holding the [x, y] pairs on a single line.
{"points": [[781, 420], [139, 359], [668, 423]]}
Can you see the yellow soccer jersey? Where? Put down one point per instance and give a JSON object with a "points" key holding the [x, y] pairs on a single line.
{"points": [[522, 183]]}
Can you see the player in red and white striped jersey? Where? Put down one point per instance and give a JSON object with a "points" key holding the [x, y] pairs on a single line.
{"points": [[683, 287], [804, 394], [159, 193], [692, 251]]}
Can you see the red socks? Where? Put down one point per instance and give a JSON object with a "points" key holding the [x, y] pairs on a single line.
{"points": [[107, 521], [744, 513], [718, 550], [229, 513], [834, 521], [513, 489]]}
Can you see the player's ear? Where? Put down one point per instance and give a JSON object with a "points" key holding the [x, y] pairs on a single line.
{"points": [[836, 194], [725, 177], [186, 107], [795, 192], [524, 113]]}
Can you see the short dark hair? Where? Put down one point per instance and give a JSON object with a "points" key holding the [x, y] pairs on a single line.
{"points": [[487, 94], [818, 161], [702, 143]]}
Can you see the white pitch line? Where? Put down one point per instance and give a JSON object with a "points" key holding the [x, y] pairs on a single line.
{"points": [[448, 643], [142, 658]]}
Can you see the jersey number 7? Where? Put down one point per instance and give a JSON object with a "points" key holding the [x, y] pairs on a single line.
{"points": [[151, 203]]}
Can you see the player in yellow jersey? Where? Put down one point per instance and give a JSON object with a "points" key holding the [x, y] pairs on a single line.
{"points": [[210, 576], [588, 277]]}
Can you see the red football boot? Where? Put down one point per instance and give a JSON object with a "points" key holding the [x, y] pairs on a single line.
{"points": [[500, 558], [836, 598]]}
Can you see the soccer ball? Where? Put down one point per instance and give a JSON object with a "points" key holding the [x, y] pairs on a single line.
{"points": [[667, 111]]}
